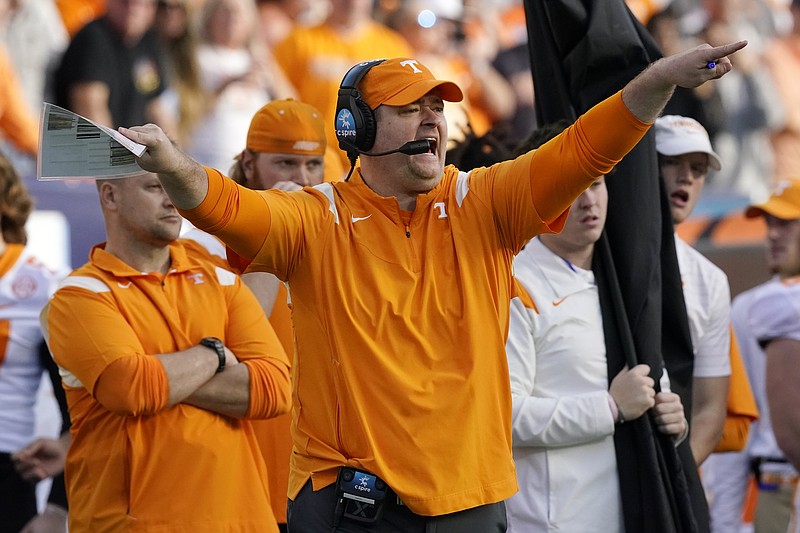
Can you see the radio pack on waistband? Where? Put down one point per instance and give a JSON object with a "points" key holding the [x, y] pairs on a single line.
{"points": [[360, 496]]}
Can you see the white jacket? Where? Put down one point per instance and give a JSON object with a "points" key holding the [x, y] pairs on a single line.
{"points": [[562, 422]]}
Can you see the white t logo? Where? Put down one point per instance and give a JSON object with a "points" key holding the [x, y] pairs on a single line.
{"points": [[411, 63], [440, 207]]}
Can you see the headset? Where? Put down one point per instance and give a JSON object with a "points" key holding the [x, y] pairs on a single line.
{"points": [[355, 120]]}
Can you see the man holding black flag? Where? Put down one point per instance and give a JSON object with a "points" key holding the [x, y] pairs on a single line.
{"points": [[582, 52]]}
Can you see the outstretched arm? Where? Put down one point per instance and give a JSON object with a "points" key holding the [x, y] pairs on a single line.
{"points": [[648, 93]]}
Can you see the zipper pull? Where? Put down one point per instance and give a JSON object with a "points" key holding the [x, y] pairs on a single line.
{"points": [[408, 231]]}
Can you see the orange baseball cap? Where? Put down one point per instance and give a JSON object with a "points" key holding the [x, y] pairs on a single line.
{"points": [[784, 202], [287, 127], [402, 81]]}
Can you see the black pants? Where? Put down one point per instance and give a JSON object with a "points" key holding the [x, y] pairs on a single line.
{"points": [[312, 512], [17, 498]]}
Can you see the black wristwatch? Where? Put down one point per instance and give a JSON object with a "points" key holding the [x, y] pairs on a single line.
{"points": [[216, 345]]}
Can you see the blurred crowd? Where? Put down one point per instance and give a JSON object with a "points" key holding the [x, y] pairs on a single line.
{"points": [[201, 68]]}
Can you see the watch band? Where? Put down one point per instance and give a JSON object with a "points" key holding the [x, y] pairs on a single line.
{"points": [[216, 345]]}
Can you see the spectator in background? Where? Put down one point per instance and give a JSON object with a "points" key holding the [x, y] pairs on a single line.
{"points": [[18, 123], [756, 315], [684, 158], [278, 17], [113, 72], [753, 110], [437, 33], [701, 103], [315, 58], [35, 36], [775, 323], [783, 62], [237, 75], [513, 63], [25, 286], [177, 27]]}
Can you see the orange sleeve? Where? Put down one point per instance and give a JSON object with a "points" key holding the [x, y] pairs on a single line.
{"points": [[597, 141], [86, 347], [16, 121], [734, 434], [226, 202], [533, 192], [742, 408], [133, 386], [244, 219], [270, 388]]}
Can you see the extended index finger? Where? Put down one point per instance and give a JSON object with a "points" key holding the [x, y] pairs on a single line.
{"points": [[718, 52]]}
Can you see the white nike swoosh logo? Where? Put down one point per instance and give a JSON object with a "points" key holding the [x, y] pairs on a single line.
{"points": [[124, 286], [357, 219]]}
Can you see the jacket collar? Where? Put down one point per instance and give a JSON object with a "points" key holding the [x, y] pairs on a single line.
{"points": [[390, 202], [563, 278]]}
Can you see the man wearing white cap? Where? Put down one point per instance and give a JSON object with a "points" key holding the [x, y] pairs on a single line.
{"points": [[684, 157], [401, 280]]}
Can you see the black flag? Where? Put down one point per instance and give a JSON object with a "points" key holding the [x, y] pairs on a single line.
{"points": [[583, 51]]}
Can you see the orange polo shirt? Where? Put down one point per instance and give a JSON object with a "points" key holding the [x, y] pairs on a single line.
{"points": [[134, 464], [400, 363]]}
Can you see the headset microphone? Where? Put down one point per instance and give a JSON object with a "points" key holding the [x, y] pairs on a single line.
{"points": [[410, 148]]}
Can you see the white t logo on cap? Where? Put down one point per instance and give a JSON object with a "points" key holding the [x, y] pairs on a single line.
{"points": [[412, 63]]}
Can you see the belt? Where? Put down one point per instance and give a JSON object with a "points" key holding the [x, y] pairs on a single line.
{"points": [[771, 481]]}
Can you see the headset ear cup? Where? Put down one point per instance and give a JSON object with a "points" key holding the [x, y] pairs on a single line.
{"points": [[355, 121], [347, 112], [366, 137]]}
